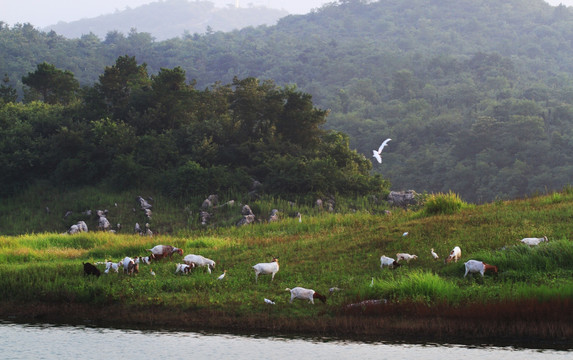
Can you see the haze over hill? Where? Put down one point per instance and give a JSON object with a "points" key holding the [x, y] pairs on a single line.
{"points": [[171, 18], [46, 13]]}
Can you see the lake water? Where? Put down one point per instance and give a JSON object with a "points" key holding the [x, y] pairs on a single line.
{"points": [[23, 341]]}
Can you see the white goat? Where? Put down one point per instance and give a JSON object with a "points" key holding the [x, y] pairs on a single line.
{"points": [[455, 255], [388, 261], [474, 266], [534, 241], [184, 268], [112, 265], [405, 256], [198, 260], [144, 259], [161, 251], [266, 268], [129, 266], [305, 294]]}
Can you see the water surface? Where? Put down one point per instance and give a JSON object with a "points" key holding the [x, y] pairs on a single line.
{"points": [[23, 341]]}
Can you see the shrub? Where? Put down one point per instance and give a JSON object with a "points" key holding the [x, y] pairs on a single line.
{"points": [[449, 203]]}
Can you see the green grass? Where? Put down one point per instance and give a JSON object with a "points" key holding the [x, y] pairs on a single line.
{"points": [[339, 249], [449, 203]]}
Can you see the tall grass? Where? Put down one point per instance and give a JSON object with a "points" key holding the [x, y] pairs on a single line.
{"points": [[417, 285], [449, 203]]}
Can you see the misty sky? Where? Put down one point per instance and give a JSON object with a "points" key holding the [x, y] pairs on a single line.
{"points": [[44, 13]]}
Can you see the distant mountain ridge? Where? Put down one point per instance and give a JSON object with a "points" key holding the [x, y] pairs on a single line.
{"points": [[171, 18]]}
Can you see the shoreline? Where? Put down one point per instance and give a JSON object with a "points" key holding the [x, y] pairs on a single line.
{"points": [[526, 324]]}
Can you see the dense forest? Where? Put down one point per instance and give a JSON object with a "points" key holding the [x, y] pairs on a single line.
{"points": [[135, 130], [476, 95]]}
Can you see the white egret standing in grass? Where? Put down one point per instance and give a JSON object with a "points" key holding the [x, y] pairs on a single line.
{"points": [[434, 254], [377, 154], [222, 275]]}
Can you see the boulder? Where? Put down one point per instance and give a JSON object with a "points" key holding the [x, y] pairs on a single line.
{"points": [[247, 219], [274, 215], [402, 198]]}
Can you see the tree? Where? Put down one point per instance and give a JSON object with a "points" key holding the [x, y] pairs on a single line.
{"points": [[299, 122], [120, 85], [171, 97], [55, 86], [7, 93], [403, 85]]}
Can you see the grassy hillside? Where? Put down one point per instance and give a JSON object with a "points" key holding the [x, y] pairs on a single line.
{"points": [[322, 251]]}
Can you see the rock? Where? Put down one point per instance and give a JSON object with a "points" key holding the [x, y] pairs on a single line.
{"points": [[274, 215], [74, 229], [402, 198], [214, 199], [246, 210], [247, 219], [103, 223], [205, 216], [143, 203], [82, 226]]}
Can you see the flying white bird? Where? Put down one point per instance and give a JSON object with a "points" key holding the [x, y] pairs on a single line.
{"points": [[222, 275], [270, 302], [379, 152]]}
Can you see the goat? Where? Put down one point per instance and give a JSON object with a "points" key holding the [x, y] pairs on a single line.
{"points": [[198, 260], [266, 268], [184, 268], [129, 266], [111, 265], [305, 294], [404, 256], [90, 269], [144, 259], [455, 255], [473, 266], [388, 261], [534, 241], [161, 251]]}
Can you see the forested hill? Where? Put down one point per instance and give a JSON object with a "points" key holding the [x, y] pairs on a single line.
{"points": [[476, 95], [171, 18]]}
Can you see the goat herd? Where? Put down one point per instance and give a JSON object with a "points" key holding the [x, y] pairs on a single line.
{"points": [[191, 261], [472, 266]]}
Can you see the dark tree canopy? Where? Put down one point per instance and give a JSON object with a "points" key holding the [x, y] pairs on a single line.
{"points": [[133, 129], [55, 86]]}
